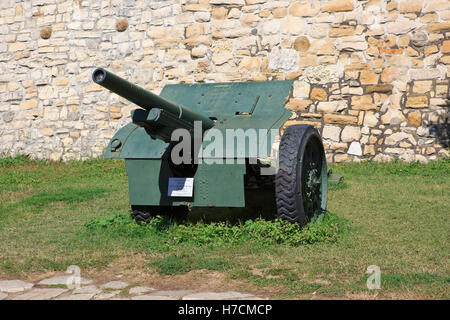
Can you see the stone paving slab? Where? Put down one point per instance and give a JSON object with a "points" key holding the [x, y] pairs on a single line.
{"points": [[87, 290], [115, 285], [171, 293], [21, 290], [216, 296], [40, 294], [154, 297], [140, 290], [14, 286], [106, 295], [62, 280]]}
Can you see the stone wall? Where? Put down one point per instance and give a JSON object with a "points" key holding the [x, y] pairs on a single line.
{"points": [[373, 75]]}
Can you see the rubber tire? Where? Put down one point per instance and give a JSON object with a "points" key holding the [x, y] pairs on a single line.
{"points": [[292, 146], [143, 214]]}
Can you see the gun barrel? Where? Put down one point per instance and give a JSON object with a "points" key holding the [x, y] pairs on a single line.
{"points": [[146, 99]]}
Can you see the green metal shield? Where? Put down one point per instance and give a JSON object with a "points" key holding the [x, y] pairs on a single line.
{"points": [[246, 105]]}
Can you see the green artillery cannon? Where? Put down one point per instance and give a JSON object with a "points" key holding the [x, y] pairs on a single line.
{"points": [[217, 145]]}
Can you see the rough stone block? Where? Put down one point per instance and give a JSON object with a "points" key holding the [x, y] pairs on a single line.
{"points": [[14, 286], [368, 77], [331, 132], [298, 104], [417, 102], [304, 8], [40, 294], [340, 119], [338, 6], [350, 133]]}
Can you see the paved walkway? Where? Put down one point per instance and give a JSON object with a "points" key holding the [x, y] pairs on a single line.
{"points": [[56, 288]]}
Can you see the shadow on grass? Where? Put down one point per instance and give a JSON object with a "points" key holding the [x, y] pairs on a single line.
{"points": [[66, 195]]}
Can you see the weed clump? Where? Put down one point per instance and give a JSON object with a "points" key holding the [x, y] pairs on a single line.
{"points": [[13, 161], [261, 232]]}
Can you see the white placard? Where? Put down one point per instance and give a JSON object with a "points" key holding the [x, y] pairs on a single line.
{"points": [[181, 187]]}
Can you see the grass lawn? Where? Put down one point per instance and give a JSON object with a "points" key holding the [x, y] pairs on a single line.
{"points": [[395, 216]]}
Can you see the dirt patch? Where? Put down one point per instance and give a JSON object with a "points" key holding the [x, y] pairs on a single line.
{"points": [[205, 280], [127, 269]]}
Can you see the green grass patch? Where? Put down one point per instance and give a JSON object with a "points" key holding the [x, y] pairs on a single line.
{"points": [[56, 286], [13, 180], [397, 168], [409, 280], [339, 186], [260, 232], [393, 215], [164, 236], [215, 263], [13, 161], [173, 264]]}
